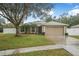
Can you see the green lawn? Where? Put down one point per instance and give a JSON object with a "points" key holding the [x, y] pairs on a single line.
{"points": [[75, 37], [8, 41], [55, 52]]}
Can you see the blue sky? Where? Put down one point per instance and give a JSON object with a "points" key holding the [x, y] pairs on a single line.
{"points": [[64, 7], [60, 8]]}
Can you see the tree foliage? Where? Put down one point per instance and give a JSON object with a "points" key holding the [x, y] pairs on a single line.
{"points": [[16, 12], [71, 20]]}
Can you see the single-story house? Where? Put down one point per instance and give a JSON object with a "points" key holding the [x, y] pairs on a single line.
{"points": [[73, 30], [52, 30]]}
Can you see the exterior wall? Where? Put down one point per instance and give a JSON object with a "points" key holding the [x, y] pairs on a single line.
{"points": [[9, 30], [73, 31], [55, 33]]}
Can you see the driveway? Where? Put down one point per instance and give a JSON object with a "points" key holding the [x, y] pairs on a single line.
{"points": [[71, 45]]}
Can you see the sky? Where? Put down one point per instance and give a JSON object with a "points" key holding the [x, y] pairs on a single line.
{"points": [[59, 9]]}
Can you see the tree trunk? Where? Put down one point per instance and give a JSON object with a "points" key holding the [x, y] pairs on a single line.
{"points": [[17, 31]]}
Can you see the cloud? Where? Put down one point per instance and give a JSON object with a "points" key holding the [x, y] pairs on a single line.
{"points": [[48, 12], [73, 12], [77, 6], [51, 12]]}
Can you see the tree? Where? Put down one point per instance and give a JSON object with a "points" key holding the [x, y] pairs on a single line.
{"points": [[70, 20], [15, 12], [47, 18]]}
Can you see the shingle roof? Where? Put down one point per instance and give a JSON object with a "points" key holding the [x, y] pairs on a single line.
{"points": [[40, 23], [55, 23]]}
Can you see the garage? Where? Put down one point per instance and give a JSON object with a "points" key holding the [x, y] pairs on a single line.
{"points": [[55, 31]]}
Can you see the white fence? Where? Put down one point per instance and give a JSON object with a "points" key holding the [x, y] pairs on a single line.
{"points": [[73, 31], [9, 30]]}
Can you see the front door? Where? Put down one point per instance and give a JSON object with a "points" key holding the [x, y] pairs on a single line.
{"points": [[40, 30]]}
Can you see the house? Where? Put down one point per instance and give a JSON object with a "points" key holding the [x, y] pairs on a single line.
{"points": [[38, 27], [73, 30], [52, 30]]}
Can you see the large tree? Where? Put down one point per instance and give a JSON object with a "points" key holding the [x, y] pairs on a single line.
{"points": [[15, 12]]}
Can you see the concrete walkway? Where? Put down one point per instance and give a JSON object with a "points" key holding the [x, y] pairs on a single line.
{"points": [[30, 49], [70, 46]]}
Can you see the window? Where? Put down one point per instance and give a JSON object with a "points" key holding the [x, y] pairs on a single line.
{"points": [[33, 29], [22, 29]]}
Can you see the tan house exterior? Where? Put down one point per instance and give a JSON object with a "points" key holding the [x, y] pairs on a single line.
{"points": [[52, 30]]}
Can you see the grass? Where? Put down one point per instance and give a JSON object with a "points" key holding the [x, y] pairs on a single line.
{"points": [[75, 37], [55, 52], [8, 41]]}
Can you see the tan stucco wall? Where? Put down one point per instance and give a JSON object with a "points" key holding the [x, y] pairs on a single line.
{"points": [[55, 33]]}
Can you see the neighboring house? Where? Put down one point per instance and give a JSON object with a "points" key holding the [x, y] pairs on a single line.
{"points": [[9, 29], [74, 30]]}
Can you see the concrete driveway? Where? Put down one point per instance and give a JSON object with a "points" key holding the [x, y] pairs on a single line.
{"points": [[71, 45]]}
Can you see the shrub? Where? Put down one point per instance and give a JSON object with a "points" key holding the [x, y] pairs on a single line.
{"points": [[66, 34]]}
